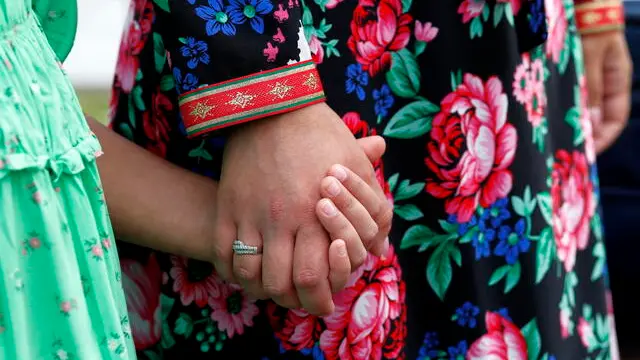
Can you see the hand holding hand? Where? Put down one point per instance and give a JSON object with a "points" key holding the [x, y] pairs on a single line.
{"points": [[269, 193]]}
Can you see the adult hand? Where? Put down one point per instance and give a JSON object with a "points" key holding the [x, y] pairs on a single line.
{"points": [[269, 189], [608, 69]]}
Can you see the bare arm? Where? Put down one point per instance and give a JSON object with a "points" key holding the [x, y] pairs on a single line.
{"points": [[152, 202]]}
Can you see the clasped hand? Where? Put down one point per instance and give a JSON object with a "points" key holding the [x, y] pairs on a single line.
{"points": [[281, 189]]}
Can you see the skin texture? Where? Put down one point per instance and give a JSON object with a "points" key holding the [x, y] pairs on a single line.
{"points": [[608, 71], [271, 169]]}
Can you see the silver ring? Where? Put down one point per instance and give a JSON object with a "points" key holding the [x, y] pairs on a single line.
{"points": [[240, 248]]}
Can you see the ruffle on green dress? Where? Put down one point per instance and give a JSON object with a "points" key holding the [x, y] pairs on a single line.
{"points": [[61, 291]]}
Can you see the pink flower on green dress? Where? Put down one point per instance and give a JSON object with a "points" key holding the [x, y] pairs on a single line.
{"points": [[232, 309]]}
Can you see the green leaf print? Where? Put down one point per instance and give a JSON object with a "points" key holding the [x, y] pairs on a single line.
{"points": [[532, 337], [408, 212], [393, 181], [545, 206], [404, 76], [419, 47], [498, 274], [322, 4], [508, 12], [524, 206], [184, 325], [601, 260], [136, 94], [475, 29], [456, 79], [565, 54], [513, 276], [159, 52], [406, 5], [407, 191], [167, 83], [498, 12], [596, 227], [162, 4], [439, 271], [418, 235], [411, 121], [545, 253]]}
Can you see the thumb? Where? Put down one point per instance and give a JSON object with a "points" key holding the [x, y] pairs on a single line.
{"points": [[373, 147], [594, 69]]}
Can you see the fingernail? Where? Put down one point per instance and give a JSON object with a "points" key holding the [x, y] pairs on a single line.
{"points": [[385, 249], [328, 208], [340, 173], [333, 188]]}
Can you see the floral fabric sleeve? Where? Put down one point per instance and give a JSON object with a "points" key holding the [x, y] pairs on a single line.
{"points": [[238, 60]]}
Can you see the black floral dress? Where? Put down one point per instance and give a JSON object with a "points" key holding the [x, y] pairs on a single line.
{"points": [[497, 246]]}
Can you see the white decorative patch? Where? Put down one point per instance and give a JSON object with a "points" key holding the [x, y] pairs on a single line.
{"points": [[303, 47]]}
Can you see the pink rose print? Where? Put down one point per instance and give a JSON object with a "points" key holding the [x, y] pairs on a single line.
{"points": [[155, 124], [471, 148], [232, 309], [503, 340], [585, 121], [195, 280], [565, 323], [35, 243], [529, 89], [367, 312], [369, 321], [556, 28], [470, 9], [133, 42], [331, 4], [97, 251], [142, 288], [573, 205], [37, 197], [66, 307], [106, 243], [317, 52], [425, 32], [585, 332], [296, 329], [374, 37]]}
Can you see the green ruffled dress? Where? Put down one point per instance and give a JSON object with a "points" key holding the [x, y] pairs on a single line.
{"points": [[61, 287]]}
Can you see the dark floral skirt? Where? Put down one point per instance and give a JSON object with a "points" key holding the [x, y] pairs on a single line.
{"points": [[497, 245]]}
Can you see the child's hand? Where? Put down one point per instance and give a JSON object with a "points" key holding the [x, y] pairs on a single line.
{"points": [[354, 216]]}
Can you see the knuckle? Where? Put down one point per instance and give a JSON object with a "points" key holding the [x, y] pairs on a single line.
{"points": [[274, 289], [244, 274], [369, 233], [307, 279], [385, 218], [358, 259]]}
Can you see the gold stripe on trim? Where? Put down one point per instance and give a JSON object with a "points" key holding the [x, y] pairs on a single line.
{"points": [[250, 81], [248, 113]]}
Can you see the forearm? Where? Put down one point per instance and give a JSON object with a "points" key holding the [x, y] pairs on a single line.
{"points": [[152, 202]]}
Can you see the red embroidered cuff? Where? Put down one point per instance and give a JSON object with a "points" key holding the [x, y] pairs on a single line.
{"points": [[251, 97], [599, 16]]}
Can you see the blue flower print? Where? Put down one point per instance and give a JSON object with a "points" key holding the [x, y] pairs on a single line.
{"points": [[188, 83], [356, 80], [315, 352], [217, 18], [428, 350], [466, 315], [512, 243], [252, 10], [384, 100], [536, 16], [458, 352], [196, 51], [504, 312]]}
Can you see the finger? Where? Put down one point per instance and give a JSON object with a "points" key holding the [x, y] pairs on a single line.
{"points": [[247, 269], [356, 214], [339, 265], [277, 269], [222, 252], [377, 206], [373, 147], [339, 227], [311, 270]]}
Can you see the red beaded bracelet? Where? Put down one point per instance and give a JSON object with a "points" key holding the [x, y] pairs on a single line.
{"points": [[597, 16]]}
